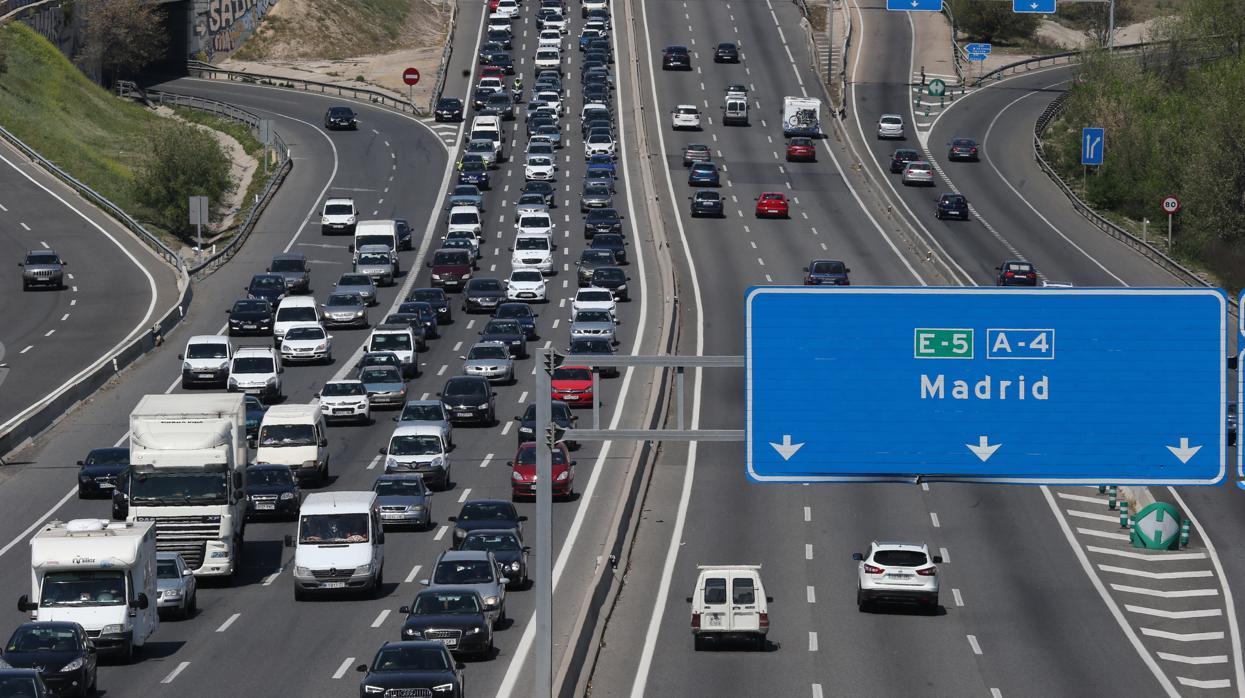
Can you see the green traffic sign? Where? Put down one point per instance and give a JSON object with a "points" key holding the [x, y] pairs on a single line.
{"points": [[1157, 527], [942, 343], [937, 88]]}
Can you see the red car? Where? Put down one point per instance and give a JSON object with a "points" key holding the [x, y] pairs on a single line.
{"points": [[573, 385], [523, 472], [492, 71], [772, 204], [492, 5], [801, 149]]}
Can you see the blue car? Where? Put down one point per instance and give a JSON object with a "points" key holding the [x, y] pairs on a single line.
{"points": [[600, 165], [474, 173], [703, 174], [521, 313], [826, 272], [255, 409], [466, 195]]}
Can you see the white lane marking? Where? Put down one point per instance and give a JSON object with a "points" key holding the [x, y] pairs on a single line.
{"points": [[1183, 637], [65, 317], [46, 515], [441, 532], [374, 461], [1191, 574], [1183, 659], [441, 371], [769, 279], [808, 514], [812, 641], [812, 594], [1102, 534], [27, 228], [808, 551], [410, 577], [487, 458], [1209, 683], [341, 670], [173, 674], [272, 577], [972, 642], [1153, 557], [1179, 594], [1093, 516], [959, 598], [1081, 498], [463, 497], [21, 352], [996, 693], [472, 323], [2, 208], [506, 428], [458, 345], [933, 519], [1175, 615], [817, 691], [946, 555], [523, 397], [228, 622], [380, 619], [50, 332]]}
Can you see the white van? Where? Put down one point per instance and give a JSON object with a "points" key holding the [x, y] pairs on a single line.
{"points": [[378, 233], [340, 545], [487, 127], [735, 109], [295, 435], [206, 360], [256, 371], [729, 602], [294, 310], [419, 449]]}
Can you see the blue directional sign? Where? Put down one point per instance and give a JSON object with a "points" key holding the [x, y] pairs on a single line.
{"points": [[1046, 7], [1011, 385], [984, 49], [914, 5], [1092, 142]]}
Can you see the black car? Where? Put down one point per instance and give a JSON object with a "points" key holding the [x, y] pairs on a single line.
{"points": [[498, 104], [501, 36], [22, 683], [596, 92], [449, 109], [676, 58], [1015, 272], [255, 411], [613, 242], [454, 616], [521, 313], [469, 399], [501, 59], [404, 234], [589, 261], [602, 220], [601, 44], [341, 117], [962, 149], [726, 52], [271, 491], [593, 346], [483, 295], [545, 189], [707, 203], [412, 669], [508, 332], [60, 651], [98, 475], [427, 314], [480, 514], [560, 415], [952, 206], [614, 279], [439, 301], [901, 157], [269, 287], [479, 97], [826, 272], [507, 549], [250, 316]]}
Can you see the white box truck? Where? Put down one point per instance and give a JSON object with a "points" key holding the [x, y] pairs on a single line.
{"points": [[801, 116], [187, 458], [99, 574]]}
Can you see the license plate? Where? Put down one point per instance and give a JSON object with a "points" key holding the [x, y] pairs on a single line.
{"points": [[250, 327], [206, 375], [449, 642], [462, 414], [333, 585], [570, 397], [265, 506], [343, 411], [899, 575], [714, 619], [105, 485], [390, 515]]}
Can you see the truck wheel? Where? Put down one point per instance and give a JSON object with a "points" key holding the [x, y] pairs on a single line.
{"points": [[324, 472], [125, 654], [378, 585]]}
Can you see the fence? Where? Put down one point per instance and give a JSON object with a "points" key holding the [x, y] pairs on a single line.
{"points": [[446, 53]]}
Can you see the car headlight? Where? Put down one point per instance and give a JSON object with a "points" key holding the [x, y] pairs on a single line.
{"points": [[459, 533], [564, 475], [368, 688], [322, 347], [483, 406], [391, 463], [436, 277], [476, 630], [438, 462], [111, 629], [271, 381], [365, 568], [359, 313], [324, 220], [412, 633], [74, 665], [490, 600], [186, 366], [169, 594], [525, 430], [233, 382], [302, 571], [443, 688], [287, 495], [351, 220], [514, 566], [515, 475], [308, 464]]}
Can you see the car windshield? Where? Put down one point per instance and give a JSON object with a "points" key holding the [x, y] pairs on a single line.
{"points": [[354, 280], [339, 209], [531, 243], [404, 487], [527, 456], [687, 110], [1022, 268], [333, 528], [610, 275], [488, 352], [251, 306], [428, 295], [253, 364], [415, 445], [954, 199], [514, 310], [962, 143], [485, 285], [490, 541], [597, 256], [287, 435], [42, 258], [432, 603], [167, 569], [305, 333], [341, 111], [502, 327], [572, 374], [772, 197], [707, 196], [463, 572], [83, 588], [593, 315], [464, 218], [411, 659], [892, 120], [297, 313], [900, 558], [465, 389], [43, 639], [344, 299], [374, 258], [534, 222], [526, 276], [262, 282], [391, 341], [603, 215], [466, 190], [108, 456], [283, 265], [207, 350], [342, 389], [829, 268], [269, 476], [596, 190], [704, 167], [380, 374], [446, 258], [422, 413], [591, 346]]}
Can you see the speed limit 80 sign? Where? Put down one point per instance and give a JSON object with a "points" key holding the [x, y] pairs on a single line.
{"points": [[1171, 205]]}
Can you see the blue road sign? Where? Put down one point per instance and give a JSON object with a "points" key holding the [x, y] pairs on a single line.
{"points": [[983, 49], [1012, 385], [1092, 142], [1046, 7], [914, 5]]}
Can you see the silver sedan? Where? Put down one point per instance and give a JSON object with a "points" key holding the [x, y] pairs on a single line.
{"points": [[490, 360], [918, 172]]}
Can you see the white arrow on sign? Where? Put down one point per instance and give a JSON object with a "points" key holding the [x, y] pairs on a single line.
{"points": [[786, 449], [1184, 452], [983, 449]]}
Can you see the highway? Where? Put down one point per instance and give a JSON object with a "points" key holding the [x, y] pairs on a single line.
{"points": [[392, 166], [116, 287]]}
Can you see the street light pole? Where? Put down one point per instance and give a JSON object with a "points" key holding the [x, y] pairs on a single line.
{"points": [[544, 436]]}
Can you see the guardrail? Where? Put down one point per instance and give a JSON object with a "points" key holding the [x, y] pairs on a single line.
{"points": [[956, 52], [446, 53], [208, 71], [1072, 56]]}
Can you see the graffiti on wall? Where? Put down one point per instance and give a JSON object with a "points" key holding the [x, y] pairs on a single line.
{"points": [[229, 22]]}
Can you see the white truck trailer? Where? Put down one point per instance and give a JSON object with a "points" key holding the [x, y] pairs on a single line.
{"points": [[99, 574], [187, 460]]}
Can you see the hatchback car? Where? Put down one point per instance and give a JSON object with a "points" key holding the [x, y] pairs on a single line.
{"points": [[726, 52], [613, 278], [453, 617], [346, 399], [593, 323], [704, 174], [595, 195], [474, 172], [614, 242], [59, 651], [696, 152], [490, 360], [176, 590], [341, 118], [890, 126], [707, 203], [951, 206], [901, 157], [98, 472], [918, 172], [826, 272], [344, 310], [268, 287], [559, 414], [412, 669], [801, 149], [526, 285], [404, 500], [448, 109], [429, 413], [439, 301], [474, 569], [521, 313], [508, 332], [507, 547], [1015, 272], [676, 58], [589, 261], [361, 284], [384, 385], [523, 472], [272, 491], [482, 295], [685, 116], [476, 514], [307, 342], [469, 400], [898, 572], [962, 149], [573, 385], [602, 220], [250, 316], [772, 204], [592, 350]]}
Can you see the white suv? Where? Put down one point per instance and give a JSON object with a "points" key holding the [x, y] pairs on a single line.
{"points": [[685, 116], [593, 298], [338, 216], [532, 252], [900, 572], [345, 399]]}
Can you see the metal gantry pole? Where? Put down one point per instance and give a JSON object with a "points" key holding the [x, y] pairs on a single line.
{"points": [[543, 676]]}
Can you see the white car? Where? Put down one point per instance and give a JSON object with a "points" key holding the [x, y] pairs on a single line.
{"points": [[593, 5], [338, 216], [599, 144], [901, 572], [685, 116], [552, 99], [507, 8], [492, 83], [548, 58], [549, 38], [526, 285], [890, 126], [256, 371], [465, 218], [539, 168], [557, 21], [592, 106], [532, 252], [598, 26], [497, 22], [307, 341], [538, 223], [345, 399], [593, 298]]}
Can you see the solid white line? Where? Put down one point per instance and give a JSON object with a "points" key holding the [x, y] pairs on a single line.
{"points": [[1211, 683], [441, 533], [173, 674], [959, 599], [1175, 615], [380, 619], [812, 641], [375, 460], [1212, 659], [272, 577], [812, 594], [1102, 534], [933, 519], [1183, 637], [1081, 498], [463, 497], [412, 575], [38, 522], [1094, 516], [1153, 557], [1180, 594], [341, 670], [228, 622], [972, 642], [808, 551], [1192, 574]]}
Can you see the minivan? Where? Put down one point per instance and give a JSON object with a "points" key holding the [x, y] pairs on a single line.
{"points": [[340, 545], [206, 360], [729, 602], [256, 371], [291, 311], [295, 435]]}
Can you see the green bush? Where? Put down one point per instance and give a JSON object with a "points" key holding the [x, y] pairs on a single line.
{"points": [[992, 21], [182, 162]]}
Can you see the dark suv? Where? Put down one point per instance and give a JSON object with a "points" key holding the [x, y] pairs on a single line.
{"points": [[676, 58], [602, 220], [340, 117], [450, 268], [1015, 272], [469, 400], [42, 268], [589, 261]]}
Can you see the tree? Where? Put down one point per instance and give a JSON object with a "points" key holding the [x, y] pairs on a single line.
{"points": [[121, 36], [1094, 18], [992, 22], [184, 161]]}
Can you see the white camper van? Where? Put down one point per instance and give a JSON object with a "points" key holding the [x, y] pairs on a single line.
{"points": [[295, 435], [340, 545]]}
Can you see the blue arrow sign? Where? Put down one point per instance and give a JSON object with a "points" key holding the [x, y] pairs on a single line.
{"points": [[1046, 7], [914, 5], [977, 56], [1092, 142], [984, 49], [1013, 385]]}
